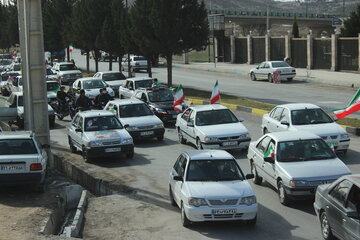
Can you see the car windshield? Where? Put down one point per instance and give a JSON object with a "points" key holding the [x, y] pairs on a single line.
{"points": [[113, 76], [135, 110], [214, 117], [17, 67], [17, 146], [5, 62], [49, 72], [20, 101], [52, 86], [304, 150], [144, 84], [161, 95], [92, 84], [310, 116], [214, 170], [279, 64], [102, 123], [139, 58], [67, 67]]}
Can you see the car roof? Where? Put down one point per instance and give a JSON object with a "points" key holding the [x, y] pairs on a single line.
{"points": [[208, 107], [298, 106], [208, 154], [140, 78], [96, 113], [88, 78], [60, 63], [18, 93], [126, 101], [109, 72], [292, 136], [355, 178], [52, 81], [16, 135]]}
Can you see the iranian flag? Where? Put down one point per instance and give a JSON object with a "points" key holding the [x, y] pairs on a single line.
{"points": [[353, 106], [215, 95], [179, 99], [270, 152]]}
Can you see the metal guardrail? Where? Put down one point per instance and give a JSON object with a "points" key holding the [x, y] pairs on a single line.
{"points": [[271, 14]]}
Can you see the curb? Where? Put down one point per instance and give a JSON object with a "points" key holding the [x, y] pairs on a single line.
{"points": [[260, 112]]}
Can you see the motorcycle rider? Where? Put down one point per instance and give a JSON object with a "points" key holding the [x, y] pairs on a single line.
{"points": [[61, 97], [83, 102], [103, 98]]}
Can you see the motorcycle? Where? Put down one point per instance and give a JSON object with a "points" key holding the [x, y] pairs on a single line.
{"points": [[61, 109]]}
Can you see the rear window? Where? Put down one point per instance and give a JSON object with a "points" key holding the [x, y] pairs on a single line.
{"points": [[139, 59], [17, 146], [279, 64], [67, 67]]}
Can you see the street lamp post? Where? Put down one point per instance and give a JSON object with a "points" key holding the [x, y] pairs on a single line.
{"points": [[128, 55]]}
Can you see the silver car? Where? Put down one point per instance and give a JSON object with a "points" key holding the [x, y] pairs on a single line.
{"points": [[295, 163], [267, 70]]}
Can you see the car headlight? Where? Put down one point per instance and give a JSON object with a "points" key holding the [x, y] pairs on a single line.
{"points": [[210, 139], [79, 75], [159, 125], [95, 144], [159, 110], [344, 136], [197, 202], [298, 183], [127, 141], [245, 135], [248, 200], [132, 128]]}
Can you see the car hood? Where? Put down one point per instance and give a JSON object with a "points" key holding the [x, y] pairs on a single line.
{"points": [[323, 129], [229, 129], [115, 134], [141, 121], [332, 168], [92, 93], [116, 83], [224, 189], [69, 72], [163, 105]]}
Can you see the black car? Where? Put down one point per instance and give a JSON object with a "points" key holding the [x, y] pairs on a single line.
{"points": [[161, 101], [338, 207]]}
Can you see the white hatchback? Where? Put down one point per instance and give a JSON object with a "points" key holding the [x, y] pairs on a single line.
{"points": [[306, 117], [210, 186]]}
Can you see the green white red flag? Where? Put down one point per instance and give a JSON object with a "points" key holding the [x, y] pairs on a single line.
{"points": [[215, 95], [270, 152], [179, 98], [353, 106]]}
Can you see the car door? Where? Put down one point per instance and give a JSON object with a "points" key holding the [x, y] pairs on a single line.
{"points": [[259, 71], [273, 121], [72, 132], [179, 171], [183, 124], [336, 210], [351, 224], [284, 121], [266, 70], [259, 153], [269, 169]]}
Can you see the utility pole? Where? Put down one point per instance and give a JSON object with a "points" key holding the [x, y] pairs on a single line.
{"points": [[267, 15], [33, 68], [343, 8], [128, 55]]}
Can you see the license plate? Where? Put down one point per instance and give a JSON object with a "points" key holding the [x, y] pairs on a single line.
{"points": [[223, 211], [113, 150], [230, 143], [12, 167], [147, 133]]}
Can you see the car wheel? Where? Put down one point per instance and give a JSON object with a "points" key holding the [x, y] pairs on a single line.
{"points": [[265, 131], [184, 220], [85, 155], [182, 140], [172, 200], [130, 155], [257, 179], [290, 79], [160, 138], [251, 222], [252, 76], [198, 144], [72, 147], [284, 199], [270, 78], [325, 227]]}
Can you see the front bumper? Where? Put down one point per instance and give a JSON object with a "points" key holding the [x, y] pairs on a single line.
{"points": [[147, 133], [340, 145], [22, 178], [300, 193], [204, 213], [240, 144], [104, 152]]}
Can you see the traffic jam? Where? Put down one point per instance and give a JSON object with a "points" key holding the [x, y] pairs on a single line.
{"points": [[297, 154]]}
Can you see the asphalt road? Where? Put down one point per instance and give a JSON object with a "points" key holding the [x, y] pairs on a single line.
{"points": [[328, 97], [148, 173]]}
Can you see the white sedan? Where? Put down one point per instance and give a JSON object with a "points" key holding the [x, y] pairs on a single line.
{"points": [[212, 127], [210, 186], [92, 87], [267, 70], [306, 117]]}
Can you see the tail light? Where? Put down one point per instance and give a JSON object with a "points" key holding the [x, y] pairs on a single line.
{"points": [[36, 167]]}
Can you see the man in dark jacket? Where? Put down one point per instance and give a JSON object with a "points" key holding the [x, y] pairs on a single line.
{"points": [[83, 101]]}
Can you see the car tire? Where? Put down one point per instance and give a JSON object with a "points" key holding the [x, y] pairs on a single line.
{"points": [[130, 155], [265, 131], [72, 147], [283, 197], [252, 76], [325, 227], [290, 79], [251, 222], [184, 220], [160, 137], [172, 200], [198, 144], [257, 179], [270, 78], [182, 140], [85, 155]]}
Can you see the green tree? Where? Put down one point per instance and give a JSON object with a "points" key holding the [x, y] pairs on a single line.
{"points": [[295, 29], [9, 31], [352, 24], [117, 15]]}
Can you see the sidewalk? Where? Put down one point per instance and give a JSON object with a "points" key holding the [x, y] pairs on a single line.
{"points": [[346, 79]]}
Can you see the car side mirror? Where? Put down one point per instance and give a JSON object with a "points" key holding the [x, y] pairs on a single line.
{"points": [[269, 160], [78, 130], [249, 176], [257, 67], [178, 178], [190, 124], [241, 119], [126, 125], [353, 214], [284, 122]]}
